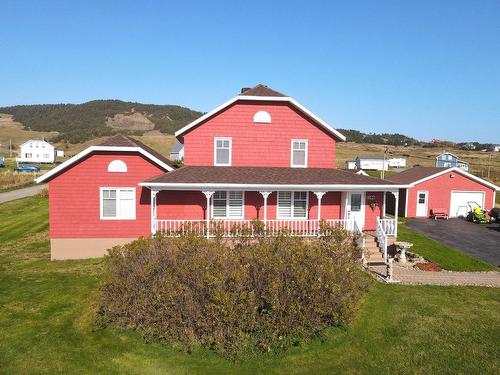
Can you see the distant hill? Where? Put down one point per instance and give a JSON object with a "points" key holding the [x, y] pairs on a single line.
{"points": [[380, 139], [77, 123]]}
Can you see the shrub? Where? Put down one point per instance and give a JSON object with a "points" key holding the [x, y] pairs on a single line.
{"points": [[266, 295]]}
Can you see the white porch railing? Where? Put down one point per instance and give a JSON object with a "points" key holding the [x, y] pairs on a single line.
{"points": [[385, 228], [248, 228]]}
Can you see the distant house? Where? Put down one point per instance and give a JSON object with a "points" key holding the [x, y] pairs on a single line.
{"points": [[350, 164], [177, 152], [372, 163], [36, 151], [449, 160], [496, 148], [397, 162]]}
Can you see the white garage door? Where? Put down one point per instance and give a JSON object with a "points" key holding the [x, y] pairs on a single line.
{"points": [[459, 200]]}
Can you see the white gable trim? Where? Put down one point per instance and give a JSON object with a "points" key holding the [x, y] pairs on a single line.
{"points": [[91, 149], [262, 98], [459, 171]]}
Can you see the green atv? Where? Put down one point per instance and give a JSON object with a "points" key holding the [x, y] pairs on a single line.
{"points": [[477, 214]]}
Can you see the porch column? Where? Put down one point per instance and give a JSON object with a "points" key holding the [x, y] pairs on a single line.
{"points": [[319, 195], [154, 193], [396, 209], [208, 195], [383, 205], [265, 195]]}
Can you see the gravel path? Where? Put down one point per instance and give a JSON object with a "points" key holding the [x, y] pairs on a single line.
{"points": [[21, 193], [412, 276]]}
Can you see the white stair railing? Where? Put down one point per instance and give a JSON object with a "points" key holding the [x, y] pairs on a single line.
{"points": [[382, 236]]}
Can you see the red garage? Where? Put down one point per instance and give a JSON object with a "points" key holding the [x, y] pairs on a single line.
{"points": [[448, 190]]}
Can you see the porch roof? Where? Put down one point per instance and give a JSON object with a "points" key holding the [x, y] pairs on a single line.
{"points": [[258, 178]]}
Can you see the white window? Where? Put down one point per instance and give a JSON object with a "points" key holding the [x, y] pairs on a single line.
{"points": [[117, 166], [45, 156], [292, 205], [222, 151], [299, 153], [262, 117], [28, 155], [117, 203], [227, 205]]}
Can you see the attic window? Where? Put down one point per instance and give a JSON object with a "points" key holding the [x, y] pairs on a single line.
{"points": [[117, 166], [262, 117]]}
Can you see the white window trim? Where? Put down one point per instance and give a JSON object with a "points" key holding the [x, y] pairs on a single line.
{"points": [[227, 207], [230, 151], [101, 189], [280, 217], [306, 150]]}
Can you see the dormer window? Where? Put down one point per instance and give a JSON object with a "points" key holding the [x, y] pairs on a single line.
{"points": [[299, 153], [262, 117], [222, 151]]}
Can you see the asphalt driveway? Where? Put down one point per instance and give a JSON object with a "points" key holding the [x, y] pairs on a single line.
{"points": [[478, 240]]}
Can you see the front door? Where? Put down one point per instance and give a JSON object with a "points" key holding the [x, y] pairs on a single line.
{"points": [[422, 198], [355, 208]]}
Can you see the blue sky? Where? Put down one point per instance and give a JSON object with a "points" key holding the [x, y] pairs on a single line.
{"points": [[428, 69]]}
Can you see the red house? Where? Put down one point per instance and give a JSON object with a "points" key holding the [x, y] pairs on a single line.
{"points": [[445, 190], [261, 155]]}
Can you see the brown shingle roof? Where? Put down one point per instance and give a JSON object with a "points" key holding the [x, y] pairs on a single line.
{"points": [[261, 90], [265, 176], [124, 141], [414, 174]]}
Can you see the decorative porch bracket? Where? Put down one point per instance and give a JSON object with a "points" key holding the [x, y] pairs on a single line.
{"points": [[265, 195], [208, 195], [154, 193]]}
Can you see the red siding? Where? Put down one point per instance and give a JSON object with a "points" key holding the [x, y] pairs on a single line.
{"points": [[74, 198], [263, 144], [440, 189]]}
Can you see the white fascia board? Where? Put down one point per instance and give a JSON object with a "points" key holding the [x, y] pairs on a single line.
{"points": [[459, 171], [257, 187], [91, 149], [267, 99]]}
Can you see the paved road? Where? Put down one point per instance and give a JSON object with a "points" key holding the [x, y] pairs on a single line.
{"points": [[478, 240], [21, 193]]}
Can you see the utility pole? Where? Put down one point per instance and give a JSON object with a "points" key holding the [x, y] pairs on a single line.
{"points": [[489, 166], [10, 148], [383, 164]]}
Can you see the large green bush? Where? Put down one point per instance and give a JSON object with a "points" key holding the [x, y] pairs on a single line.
{"points": [[265, 294]]}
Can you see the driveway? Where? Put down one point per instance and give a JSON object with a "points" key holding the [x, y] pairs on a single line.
{"points": [[478, 240], [21, 193]]}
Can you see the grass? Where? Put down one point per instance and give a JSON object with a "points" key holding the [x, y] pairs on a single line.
{"points": [[445, 256], [47, 311]]}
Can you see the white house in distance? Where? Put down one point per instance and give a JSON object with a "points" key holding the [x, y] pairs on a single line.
{"points": [[350, 164], [449, 160], [177, 152], [36, 151], [397, 163], [372, 163]]}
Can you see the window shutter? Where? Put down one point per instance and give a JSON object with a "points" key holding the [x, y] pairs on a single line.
{"points": [[284, 204], [219, 204], [235, 204], [127, 204]]}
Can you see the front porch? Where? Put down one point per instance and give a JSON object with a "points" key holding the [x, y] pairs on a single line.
{"points": [[264, 201]]}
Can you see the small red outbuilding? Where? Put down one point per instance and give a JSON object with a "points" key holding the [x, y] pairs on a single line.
{"points": [[447, 190]]}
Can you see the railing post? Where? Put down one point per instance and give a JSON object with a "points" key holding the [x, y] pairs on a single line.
{"points": [[208, 195], [396, 209]]}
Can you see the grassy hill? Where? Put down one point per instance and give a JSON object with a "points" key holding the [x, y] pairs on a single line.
{"points": [[76, 123]]}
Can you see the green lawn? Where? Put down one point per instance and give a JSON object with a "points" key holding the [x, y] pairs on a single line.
{"points": [[47, 309], [445, 256]]}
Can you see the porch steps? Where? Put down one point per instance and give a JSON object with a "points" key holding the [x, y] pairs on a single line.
{"points": [[373, 252]]}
